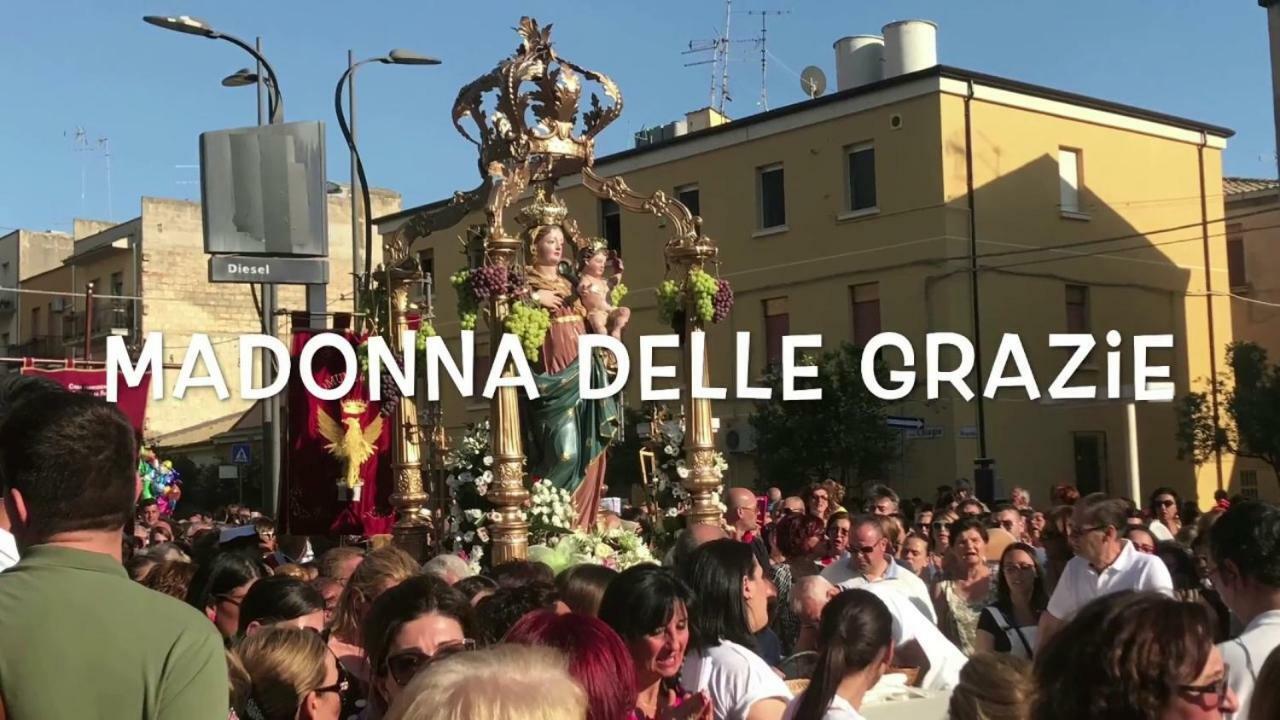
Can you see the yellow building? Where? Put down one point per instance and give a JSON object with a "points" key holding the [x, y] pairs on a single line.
{"points": [[150, 274], [1253, 268], [857, 212]]}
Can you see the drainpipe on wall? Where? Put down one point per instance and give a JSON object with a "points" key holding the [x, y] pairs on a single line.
{"points": [[1208, 298], [973, 269]]}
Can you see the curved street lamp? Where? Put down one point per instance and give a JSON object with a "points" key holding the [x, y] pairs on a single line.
{"points": [[395, 57], [196, 26]]}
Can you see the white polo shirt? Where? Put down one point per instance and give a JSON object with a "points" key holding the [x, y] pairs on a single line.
{"points": [[1132, 570], [1245, 655], [842, 574]]}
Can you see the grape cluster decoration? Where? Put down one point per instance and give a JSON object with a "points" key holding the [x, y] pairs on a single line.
{"points": [[525, 319], [711, 298], [529, 323]]}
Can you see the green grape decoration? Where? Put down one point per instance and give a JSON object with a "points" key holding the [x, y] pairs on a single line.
{"points": [[703, 288], [529, 323], [668, 301], [619, 292]]}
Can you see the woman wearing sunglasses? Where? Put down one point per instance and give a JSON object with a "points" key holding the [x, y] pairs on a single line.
{"points": [[291, 676], [1165, 522], [412, 625]]}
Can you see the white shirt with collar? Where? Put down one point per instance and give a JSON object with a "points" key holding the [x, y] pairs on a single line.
{"points": [[843, 575], [1245, 655], [1132, 570], [1160, 531]]}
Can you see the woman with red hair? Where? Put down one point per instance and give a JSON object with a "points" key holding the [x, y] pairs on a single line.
{"points": [[800, 540], [598, 659]]}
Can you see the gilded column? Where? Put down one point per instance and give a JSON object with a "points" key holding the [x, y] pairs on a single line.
{"points": [[703, 481], [412, 530], [510, 533]]}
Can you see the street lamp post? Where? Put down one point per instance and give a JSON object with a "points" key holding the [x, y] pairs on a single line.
{"points": [[266, 75], [365, 213]]}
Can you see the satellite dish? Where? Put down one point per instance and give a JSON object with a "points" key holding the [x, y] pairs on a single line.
{"points": [[813, 81]]}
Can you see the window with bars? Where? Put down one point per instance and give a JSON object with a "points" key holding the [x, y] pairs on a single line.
{"points": [[1249, 484]]}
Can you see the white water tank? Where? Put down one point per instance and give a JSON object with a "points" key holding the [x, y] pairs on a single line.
{"points": [[909, 45], [859, 60]]}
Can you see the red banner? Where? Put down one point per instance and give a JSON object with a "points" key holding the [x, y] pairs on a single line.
{"points": [[131, 401], [326, 438]]}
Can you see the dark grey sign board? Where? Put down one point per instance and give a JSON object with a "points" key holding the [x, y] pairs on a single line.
{"points": [[263, 190], [272, 270]]}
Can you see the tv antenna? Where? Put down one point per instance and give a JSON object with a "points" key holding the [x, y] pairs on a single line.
{"points": [[104, 144], [762, 41], [80, 146], [718, 47]]}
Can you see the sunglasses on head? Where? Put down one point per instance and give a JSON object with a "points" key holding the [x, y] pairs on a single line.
{"points": [[404, 665]]}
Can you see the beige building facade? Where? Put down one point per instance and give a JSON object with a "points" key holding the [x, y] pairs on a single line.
{"points": [[859, 213], [150, 274]]}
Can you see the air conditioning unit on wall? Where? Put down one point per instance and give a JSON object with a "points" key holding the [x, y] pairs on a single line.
{"points": [[739, 437]]}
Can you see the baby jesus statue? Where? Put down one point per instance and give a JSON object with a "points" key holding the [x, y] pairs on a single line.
{"points": [[594, 289]]}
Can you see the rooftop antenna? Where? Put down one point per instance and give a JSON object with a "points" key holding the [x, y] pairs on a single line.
{"points": [[104, 144], [80, 145], [718, 47], [762, 41]]}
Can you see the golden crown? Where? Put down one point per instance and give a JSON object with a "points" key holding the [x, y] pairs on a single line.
{"points": [[553, 103], [354, 407], [544, 209]]}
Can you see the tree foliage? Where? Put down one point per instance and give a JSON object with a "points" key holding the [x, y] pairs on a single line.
{"points": [[842, 436], [1248, 423]]}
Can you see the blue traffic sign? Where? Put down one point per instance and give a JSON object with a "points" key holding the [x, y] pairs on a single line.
{"points": [[240, 453]]}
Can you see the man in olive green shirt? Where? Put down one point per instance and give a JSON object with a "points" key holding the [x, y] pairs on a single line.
{"points": [[78, 638]]}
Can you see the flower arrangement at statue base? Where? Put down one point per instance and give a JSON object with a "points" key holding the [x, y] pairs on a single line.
{"points": [[469, 470], [617, 548], [159, 481], [668, 491]]}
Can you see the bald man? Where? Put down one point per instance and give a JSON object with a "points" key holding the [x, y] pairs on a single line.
{"points": [[743, 521], [809, 595]]}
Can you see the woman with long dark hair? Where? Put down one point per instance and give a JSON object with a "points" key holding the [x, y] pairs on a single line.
{"points": [[1011, 623], [856, 651], [281, 600], [414, 624], [648, 606], [732, 606], [219, 587]]}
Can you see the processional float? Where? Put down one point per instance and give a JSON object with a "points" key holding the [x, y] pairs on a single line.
{"points": [[529, 142]]}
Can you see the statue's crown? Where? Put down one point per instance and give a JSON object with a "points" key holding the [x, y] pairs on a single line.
{"points": [[354, 407], [544, 209], [552, 102]]}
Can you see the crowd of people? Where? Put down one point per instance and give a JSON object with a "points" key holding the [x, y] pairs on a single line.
{"points": [[805, 607]]}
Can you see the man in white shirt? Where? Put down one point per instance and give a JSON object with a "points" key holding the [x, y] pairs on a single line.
{"points": [[869, 561], [1245, 547], [1104, 563]]}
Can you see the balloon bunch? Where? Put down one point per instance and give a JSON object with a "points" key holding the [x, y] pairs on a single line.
{"points": [[159, 481]]}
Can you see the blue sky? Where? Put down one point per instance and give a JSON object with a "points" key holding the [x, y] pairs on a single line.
{"points": [[95, 65]]}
